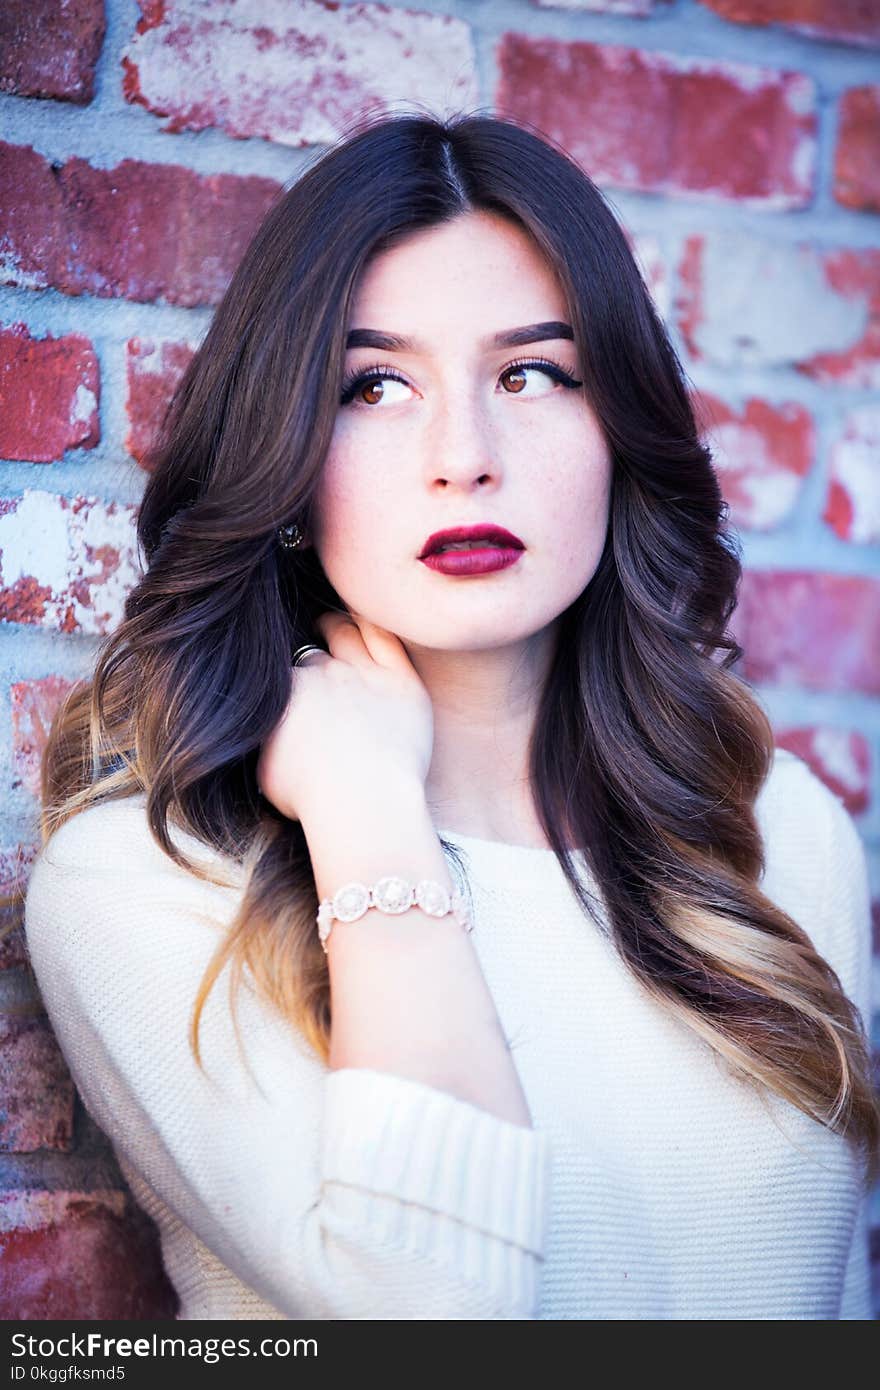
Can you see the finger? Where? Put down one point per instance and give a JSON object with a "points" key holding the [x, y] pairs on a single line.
{"points": [[343, 637], [380, 645], [384, 646]]}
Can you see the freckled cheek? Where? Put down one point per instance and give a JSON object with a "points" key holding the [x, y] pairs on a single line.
{"points": [[353, 496], [577, 520]]}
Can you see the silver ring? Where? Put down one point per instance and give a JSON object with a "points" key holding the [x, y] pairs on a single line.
{"points": [[304, 651]]}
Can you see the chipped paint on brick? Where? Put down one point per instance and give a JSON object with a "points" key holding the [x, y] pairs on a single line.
{"points": [[841, 757], [153, 370], [34, 542], [761, 492], [852, 278], [852, 506], [83, 406], [203, 63], [844, 756], [639, 8], [746, 301], [48, 394], [14, 272], [762, 453], [66, 564], [810, 629], [34, 704], [649, 258]]}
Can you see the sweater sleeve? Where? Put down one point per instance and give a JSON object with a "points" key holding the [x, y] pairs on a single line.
{"points": [[333, 1194], [848, 949]]}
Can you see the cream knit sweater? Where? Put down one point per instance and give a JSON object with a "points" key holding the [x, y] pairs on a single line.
{"points": [[653, 1185]]}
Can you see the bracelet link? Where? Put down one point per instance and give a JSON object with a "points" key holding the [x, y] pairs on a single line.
{"points": [[391, 895]]}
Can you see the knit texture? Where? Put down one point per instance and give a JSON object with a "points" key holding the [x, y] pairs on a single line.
{"points": [[652, 1185]]}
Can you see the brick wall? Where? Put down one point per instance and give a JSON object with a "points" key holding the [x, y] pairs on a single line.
{"points": [[738, 141]]}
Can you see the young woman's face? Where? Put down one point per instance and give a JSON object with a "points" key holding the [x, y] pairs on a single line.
{"points": [[462, 432]]}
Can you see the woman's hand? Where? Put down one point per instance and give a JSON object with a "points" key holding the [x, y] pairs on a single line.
{"points": [[358, 720]]}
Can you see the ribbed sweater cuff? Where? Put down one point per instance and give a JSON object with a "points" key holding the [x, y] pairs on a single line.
{"points": [[402, 1139]]}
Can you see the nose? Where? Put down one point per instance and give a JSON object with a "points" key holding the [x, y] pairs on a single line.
{"points": [[460, 446]]}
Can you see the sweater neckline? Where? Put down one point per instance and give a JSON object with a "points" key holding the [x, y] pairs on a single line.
{"points": [[499, 846], [520, 868]]}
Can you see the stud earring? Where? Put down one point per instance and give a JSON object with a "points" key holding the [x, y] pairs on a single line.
{"points": [[290, 536]]}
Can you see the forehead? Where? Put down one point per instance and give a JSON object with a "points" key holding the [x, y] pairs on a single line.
{"points": [[478, 268]]}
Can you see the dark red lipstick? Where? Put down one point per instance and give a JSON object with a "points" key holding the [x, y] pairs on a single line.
{"points": [[490, 548]]}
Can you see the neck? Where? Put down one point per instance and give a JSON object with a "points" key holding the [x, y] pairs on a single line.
{"points": [[485, 704]]}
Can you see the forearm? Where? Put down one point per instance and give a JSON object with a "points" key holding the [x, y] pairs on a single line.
{"points": [[408, 995]]}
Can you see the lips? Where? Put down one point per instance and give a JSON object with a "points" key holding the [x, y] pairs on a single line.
{"points": [[489, 535]]}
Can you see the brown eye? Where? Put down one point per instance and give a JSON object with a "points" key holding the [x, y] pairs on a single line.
{"points": [[516, 373], [372, 387], [553, 373], [375, 384]]}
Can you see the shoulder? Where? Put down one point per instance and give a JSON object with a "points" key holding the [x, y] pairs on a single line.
{"points": [[803, 823], [104, 867], [85, 838], [115, 835], [793, 793], [816, 867]]}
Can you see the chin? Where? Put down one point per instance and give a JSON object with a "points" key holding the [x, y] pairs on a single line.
{"points": [[487, 635]]}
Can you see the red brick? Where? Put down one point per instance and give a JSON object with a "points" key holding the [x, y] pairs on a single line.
{"points": [[36, 1109], [816, 630], [50, 48], [138, 231], [692, 305], [852, 502], [841, 757], [857, 156], [15, 865], [49, 391], [152, 372], [34, 704], [77, 578], [31, 241], [854, 277], [80, 1255], [652, 265], [13, 945], [306, 81], [744, 301], [847, 21], [762, 453], [639, 8], [664, 123]]}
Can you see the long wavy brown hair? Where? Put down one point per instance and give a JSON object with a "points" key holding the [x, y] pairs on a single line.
{"points": [[646, 748]]}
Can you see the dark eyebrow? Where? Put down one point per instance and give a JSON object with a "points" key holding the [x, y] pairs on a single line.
{"points": [[514, 337]]}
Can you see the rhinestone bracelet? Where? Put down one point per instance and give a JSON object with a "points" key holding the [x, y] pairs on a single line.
{"points": [[391, 895]]}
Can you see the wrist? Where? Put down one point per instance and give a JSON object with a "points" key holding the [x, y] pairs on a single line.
{"points": [[356, 801], [369, 835], [392, 896]]}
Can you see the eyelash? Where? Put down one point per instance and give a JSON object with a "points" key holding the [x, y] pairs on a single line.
{"points": [[382, 370]]}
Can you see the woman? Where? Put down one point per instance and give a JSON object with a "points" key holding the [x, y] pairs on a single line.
{"points": [[596, 952]]}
